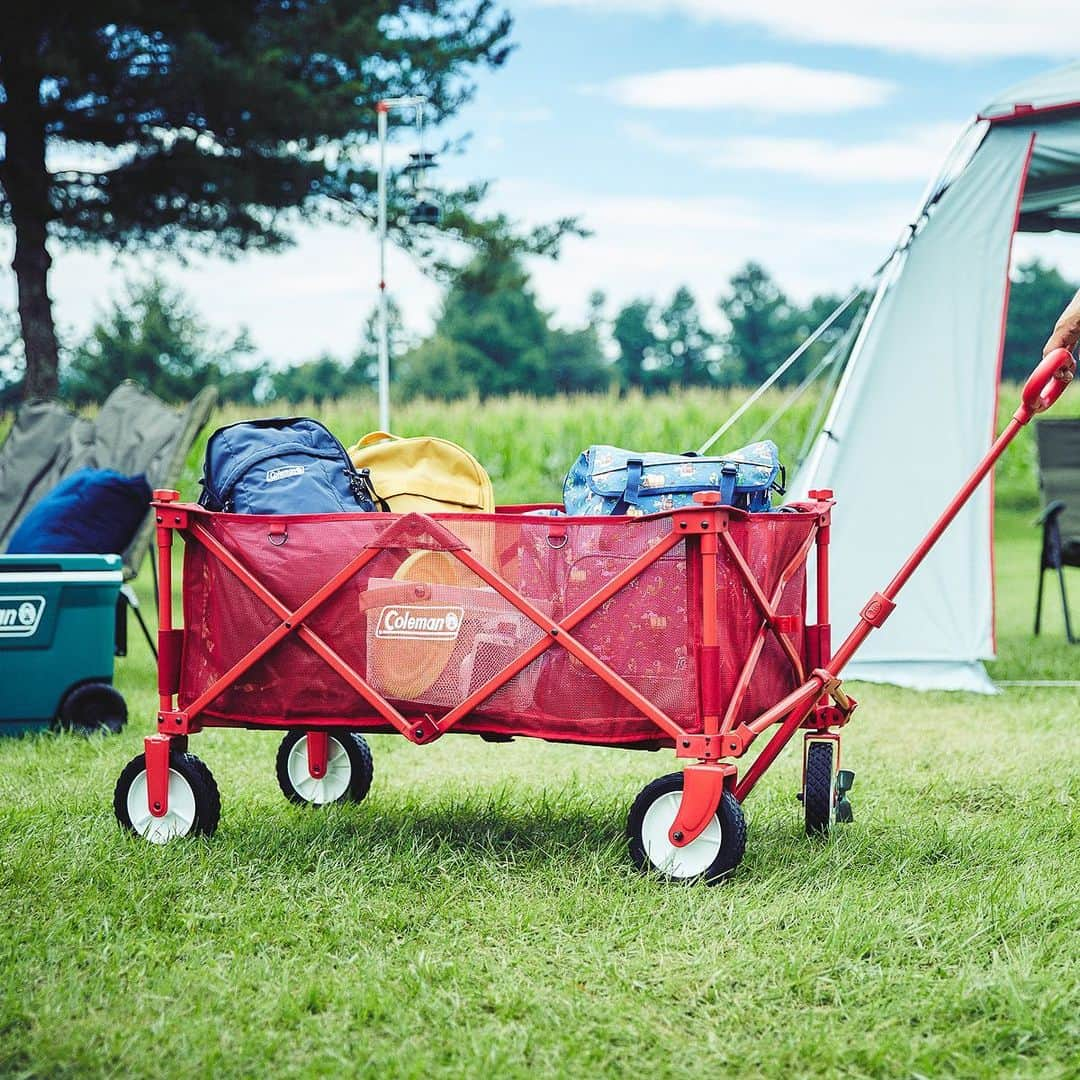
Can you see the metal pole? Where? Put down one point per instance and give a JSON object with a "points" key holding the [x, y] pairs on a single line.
{"points": [[384, 345]]}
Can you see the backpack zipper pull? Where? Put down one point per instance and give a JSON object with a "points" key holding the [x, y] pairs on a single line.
{"points": [[361, 486]]}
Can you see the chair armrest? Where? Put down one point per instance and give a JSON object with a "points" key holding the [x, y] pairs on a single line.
{"points": [[1051, 512]]}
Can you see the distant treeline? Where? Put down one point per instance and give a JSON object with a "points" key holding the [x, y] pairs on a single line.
{"points": [[491, 338]]}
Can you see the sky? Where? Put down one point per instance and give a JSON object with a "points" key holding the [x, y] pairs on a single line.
{"points": [[687, 135]]}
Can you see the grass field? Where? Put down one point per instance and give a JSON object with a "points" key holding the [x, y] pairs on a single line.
{"points": [[477, 914]]}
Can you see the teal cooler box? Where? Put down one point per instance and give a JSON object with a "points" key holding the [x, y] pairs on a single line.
{"points": [[57, 633]]}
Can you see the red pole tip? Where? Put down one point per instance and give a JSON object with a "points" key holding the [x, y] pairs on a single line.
{"points": [[381, 106]]}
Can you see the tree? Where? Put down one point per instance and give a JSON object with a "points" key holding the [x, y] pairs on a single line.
{"points": [[687, 349], [636, 340], [492, 338], [209, 124], [762, 325], [363, 372], [1038, 296], [152, 335], [319, 380], [10, 361], [440, 367]]}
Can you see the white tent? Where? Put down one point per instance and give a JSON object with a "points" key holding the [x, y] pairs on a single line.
{"points": [[915, 408]]}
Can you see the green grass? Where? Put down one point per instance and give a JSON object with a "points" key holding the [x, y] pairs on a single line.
{"points": [[477, 915]]}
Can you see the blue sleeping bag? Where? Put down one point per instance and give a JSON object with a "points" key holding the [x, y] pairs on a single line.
{"points": [[90, 512]]}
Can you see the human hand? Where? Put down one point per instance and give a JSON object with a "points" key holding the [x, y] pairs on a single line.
{"points": [[1066, 333]]}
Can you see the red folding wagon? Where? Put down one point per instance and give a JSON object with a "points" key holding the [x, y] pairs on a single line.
{"points": [[687, 629]]}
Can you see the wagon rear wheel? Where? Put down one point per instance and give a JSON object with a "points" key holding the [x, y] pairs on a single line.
{"points": [[349, 769], [711, 857]]}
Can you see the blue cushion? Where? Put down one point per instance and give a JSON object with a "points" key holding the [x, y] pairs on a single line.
{"points": [[93, 511]]}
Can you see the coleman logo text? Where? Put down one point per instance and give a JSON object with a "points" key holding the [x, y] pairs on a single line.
{"points": [[420, 623], [20, 616], [283, 472]]}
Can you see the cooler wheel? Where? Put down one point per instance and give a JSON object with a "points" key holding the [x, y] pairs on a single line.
{"points": [[93, 707]]}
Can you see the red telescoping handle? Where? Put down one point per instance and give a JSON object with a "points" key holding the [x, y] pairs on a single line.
{"points": [[1046, 384]]}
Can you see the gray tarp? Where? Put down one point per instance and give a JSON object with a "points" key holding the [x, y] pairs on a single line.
{"points": [[135, 432]]}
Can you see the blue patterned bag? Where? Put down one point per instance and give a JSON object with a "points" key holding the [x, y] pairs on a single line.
{"points": [[607, 480]]}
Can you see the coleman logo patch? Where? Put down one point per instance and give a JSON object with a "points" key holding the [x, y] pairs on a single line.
{"points": [[420, 623], [20, 616], [283, 471]]}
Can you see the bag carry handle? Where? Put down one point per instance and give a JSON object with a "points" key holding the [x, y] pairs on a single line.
{"points": [[376, 437], [1046, 384]]}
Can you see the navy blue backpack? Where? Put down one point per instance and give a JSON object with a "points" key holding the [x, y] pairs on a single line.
{"points": [[282, 466]]}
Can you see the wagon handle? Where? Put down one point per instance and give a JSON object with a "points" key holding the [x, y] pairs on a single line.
{"points": [[1046, 384]]}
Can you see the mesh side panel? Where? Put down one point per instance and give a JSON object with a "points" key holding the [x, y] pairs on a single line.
{"points": [[426, 631], [767, 544]]}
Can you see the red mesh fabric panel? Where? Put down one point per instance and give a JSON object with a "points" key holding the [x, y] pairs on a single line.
{"points": [[426, 632], [768, 543]]}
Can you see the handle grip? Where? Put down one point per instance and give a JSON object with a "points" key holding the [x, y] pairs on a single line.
{"points": [[373, 437], [1046, 384]]}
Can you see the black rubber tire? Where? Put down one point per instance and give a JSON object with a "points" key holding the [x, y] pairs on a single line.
{"points": [[94, 707], [819, 793], [199, 778], [732, 831], [360, 762]]}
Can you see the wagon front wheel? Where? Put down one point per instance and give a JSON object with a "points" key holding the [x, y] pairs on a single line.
{"points": [[194, 805], [349, 769], [710, 857]]}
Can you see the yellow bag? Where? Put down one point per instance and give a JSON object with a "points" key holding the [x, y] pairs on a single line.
{"points": [[424, 474], [429, 476]]}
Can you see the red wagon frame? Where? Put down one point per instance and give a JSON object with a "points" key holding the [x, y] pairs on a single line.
{"points": [[712, 754]]}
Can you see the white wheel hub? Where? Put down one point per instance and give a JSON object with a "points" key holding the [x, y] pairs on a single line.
{"points": [[678, 862], [325, 789], [178, 820]]}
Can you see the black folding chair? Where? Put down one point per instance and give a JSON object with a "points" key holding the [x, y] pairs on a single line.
{"points": [[1058, 444]]}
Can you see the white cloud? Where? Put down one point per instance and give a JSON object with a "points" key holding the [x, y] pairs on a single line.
{"points": [[911, 154], [648, 246], [938, 28], [770, 88]]}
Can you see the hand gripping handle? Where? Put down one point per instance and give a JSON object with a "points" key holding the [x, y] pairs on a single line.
{"points": [[1046, 384]]}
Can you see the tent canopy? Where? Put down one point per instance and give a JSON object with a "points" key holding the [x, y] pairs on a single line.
{"points": [[916, 406], [1058, 88]]}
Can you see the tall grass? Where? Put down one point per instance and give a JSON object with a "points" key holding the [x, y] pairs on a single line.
{"points": [[527, 444]]}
